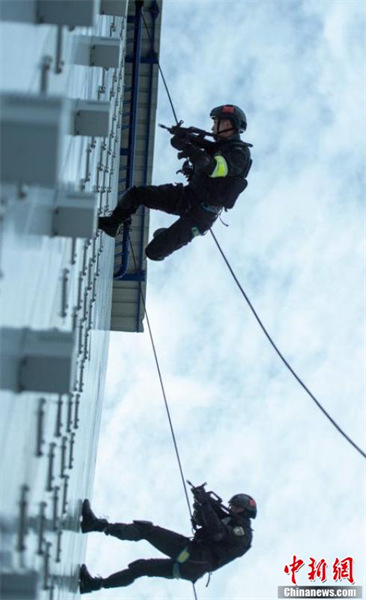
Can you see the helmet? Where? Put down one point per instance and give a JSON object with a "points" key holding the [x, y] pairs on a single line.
{"points": [[247, 503], [231, 112]]}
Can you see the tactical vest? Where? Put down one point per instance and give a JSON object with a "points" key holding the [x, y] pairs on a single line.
{"points": [[223, 191], [223, 552]]}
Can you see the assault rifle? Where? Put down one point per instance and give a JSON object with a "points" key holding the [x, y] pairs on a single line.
{"points": [[215, 501], [194, 135]]}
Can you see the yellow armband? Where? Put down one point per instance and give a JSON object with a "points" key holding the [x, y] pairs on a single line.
{"points": [[221, 169]]}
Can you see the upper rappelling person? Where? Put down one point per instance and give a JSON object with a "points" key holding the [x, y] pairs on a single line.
{"points": [[216, 174], [221, 535]]}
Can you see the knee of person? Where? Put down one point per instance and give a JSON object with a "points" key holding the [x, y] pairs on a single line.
{"points": [[137, 564], [151, 254], [152, 567], [142, 566], [144, 526]]}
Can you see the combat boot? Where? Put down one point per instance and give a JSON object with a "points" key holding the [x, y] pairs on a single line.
{"points": [[127, 206], [87, 583], [109, 225], [89, 522]]}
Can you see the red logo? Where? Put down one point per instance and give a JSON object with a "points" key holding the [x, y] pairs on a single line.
{"points": [[293, 568], [317, 570], [228, 109], [342, 569]]}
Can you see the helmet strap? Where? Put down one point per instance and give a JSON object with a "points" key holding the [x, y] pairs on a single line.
{"points": [[228, 129], [232, 128]]}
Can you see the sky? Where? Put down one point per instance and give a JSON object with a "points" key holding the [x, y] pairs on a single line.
{"points": [[296, 242]]}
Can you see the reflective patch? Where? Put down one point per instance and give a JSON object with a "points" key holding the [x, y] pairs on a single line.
{"points": [[221, 169], [183, 556], [239, 531]]}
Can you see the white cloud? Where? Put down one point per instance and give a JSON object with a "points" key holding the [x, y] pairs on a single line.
{"points": [[296, 243]]}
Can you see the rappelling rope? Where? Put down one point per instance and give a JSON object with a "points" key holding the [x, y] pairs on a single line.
{"points": [[165, 402], [161, 71], [250, 304], [281, 355]]}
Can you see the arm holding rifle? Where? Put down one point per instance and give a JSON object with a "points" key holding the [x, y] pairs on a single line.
{"points": [[183, 136], [219, 523], [193, 145], [209, 512]]}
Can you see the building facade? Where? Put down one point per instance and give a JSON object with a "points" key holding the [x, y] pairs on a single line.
{"points": [[78, 102]]}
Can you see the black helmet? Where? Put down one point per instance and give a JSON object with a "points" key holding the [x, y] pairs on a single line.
{"points": [[247, 503], [231, 112]]}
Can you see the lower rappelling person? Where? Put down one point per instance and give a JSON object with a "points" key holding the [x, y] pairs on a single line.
{"points": [[216, 173], [221, 535]]}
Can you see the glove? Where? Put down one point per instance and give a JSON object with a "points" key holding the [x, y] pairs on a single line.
{"points": [[180, 142], [187, 170]]}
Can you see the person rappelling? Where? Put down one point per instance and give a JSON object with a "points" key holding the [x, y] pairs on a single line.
{"points": [[221, 535], [216, 172]]}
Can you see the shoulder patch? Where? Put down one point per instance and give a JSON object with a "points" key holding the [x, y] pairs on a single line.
{"points": [[239, 531]]}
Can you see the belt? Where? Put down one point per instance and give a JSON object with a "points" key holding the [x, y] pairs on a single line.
{"points": [[176, 571]]}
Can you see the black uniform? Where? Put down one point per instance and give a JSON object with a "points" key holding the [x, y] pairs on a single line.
{"points": [[217, 542], [199, 203]]}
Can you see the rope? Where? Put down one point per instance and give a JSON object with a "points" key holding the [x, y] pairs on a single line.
{"points": [[334, 423], [281, 355], [161, 72], [148, 322], [255, 315], [165, 402]]}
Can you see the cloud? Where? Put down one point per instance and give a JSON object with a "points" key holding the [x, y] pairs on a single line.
{"points": [[296, 242]]}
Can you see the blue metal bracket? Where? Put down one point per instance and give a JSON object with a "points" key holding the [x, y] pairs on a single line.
{"points": [[151, 59], [130, 150], [140, 276], [147, 60]]}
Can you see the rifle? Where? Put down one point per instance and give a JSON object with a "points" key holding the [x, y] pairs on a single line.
{"points": [[194, 135], [215, 501]]}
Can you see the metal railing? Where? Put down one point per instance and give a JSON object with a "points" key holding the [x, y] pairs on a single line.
{"points": [[127, 171]]}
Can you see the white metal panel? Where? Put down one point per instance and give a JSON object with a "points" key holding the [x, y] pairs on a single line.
{"points": [[49, 440]]}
